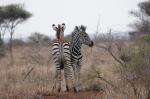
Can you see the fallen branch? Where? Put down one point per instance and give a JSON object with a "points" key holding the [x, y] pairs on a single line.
{"points": [[28, 73]]}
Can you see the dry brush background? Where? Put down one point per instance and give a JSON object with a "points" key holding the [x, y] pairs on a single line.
{"points": [[98, 78]]}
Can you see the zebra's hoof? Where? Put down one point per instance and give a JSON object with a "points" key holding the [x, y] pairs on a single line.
{"points": [[75, 90], [59, 89], [67, 88]]}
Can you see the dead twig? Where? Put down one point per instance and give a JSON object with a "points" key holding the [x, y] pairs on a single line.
{"points": [[108, 49], [28, 73]]}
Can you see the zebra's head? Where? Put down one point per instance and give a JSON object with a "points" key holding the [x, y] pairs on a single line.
{"points": [[59, 30], [84, 37]]}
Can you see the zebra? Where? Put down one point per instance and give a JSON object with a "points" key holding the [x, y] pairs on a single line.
{"points": [[79, 37], [62, 57]]}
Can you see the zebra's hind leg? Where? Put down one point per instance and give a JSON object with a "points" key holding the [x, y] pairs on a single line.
{"points": [[66, 75], [58, 77], [54, 85], [57, 80]]}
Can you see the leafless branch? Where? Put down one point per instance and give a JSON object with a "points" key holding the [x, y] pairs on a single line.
{"points": [[28, 73], [108, 49]]}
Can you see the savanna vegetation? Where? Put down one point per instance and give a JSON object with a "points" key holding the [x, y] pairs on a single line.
{"points": [[115, 68]]}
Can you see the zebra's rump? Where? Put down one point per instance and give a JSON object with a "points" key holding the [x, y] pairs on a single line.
{"points": [[62, 62], [61, 53]]}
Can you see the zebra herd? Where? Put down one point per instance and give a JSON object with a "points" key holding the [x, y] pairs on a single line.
{"points": [[68, 56]]}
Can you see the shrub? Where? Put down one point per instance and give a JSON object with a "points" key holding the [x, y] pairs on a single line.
{"points": [[137, 65], [39, 39], [18, 42]]}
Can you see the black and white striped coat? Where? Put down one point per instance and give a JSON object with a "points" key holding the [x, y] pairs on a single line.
{"points": [[66, 56], [79, 37], [62, 59]]}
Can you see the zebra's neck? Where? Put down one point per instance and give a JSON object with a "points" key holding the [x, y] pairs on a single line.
{"points": [[76, 45]]}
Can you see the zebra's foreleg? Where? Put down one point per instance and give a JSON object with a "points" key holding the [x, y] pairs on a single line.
{"points": [[76, 78], [79, 75], [76, 69]]}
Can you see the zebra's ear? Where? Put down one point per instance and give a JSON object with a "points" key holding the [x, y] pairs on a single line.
{"points": [[77, 28], [63, 26], [83, 28], [54, 27]]}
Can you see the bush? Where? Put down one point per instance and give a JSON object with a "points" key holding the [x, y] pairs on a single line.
{"points": [[92, 79], [18, 42], [39, 39], [137, 65]]}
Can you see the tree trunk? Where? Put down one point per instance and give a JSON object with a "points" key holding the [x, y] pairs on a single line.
{"points": [[10, 46]]}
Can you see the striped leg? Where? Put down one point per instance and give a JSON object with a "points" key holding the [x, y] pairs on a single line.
{"points": [[56, 54], [67, 72], [67, 68], [54, 86], [76, 69], [75, 77], [68, 75], [78, 74], [58, 77]]}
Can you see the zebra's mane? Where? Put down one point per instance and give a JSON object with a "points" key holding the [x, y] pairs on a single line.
{"points": [[81, 28], [58, 31], [78, 29]]}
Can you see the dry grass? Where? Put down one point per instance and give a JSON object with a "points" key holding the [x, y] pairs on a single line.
{"points": [[38, 85]]}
